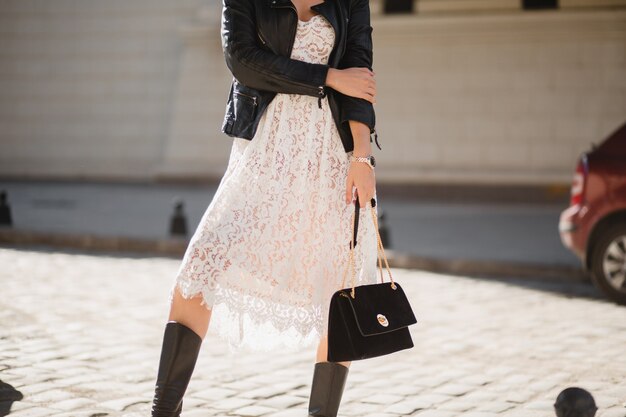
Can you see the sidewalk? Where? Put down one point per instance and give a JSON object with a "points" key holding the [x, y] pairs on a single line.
{"points": [[81, 336], [462, 236]]}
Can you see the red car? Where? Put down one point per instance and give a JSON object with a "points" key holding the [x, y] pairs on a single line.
{"points": [[594, 225]]}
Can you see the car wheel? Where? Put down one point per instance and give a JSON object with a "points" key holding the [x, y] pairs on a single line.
{"points": [[608, 263]]}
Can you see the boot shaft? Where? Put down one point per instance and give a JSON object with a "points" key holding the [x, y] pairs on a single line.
{"points": [[329, 380]]}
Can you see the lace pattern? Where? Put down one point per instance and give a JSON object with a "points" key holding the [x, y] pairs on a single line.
{"points": [[271, 247]]}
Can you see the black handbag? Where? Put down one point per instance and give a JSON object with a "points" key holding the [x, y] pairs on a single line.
{"points": [[370, 320]]}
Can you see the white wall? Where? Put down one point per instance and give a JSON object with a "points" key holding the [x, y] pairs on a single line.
{"points": [[87, 86], [137, 90], [497, 98]]}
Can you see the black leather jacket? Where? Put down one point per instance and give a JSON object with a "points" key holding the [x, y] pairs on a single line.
{"points": [[257, 39]]}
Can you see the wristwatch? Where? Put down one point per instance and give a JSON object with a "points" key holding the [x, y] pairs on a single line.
{"points": [[369, 160]]}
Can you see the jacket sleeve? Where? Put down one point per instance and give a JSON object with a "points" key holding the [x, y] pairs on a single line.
{"points": [[258, 68], [358, 54]]}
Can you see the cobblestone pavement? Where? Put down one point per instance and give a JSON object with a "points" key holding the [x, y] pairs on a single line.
{"points": [[80, 335]]}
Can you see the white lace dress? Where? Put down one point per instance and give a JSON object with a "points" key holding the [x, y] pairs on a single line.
{"points": [[273, 244]]}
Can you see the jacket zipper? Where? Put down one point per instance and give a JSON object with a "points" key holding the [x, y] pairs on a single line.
{"points": [[260, 37], [246, 95], [321, 94], [376, 138]]}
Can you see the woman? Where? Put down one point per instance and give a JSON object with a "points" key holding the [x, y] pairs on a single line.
{"points": [[271, 247]]}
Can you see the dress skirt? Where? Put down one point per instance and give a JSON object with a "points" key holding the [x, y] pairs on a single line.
{"points": [[273, 244]]}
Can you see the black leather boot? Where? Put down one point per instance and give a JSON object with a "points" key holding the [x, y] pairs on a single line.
{"points": [[329, 380], [179, 353]]}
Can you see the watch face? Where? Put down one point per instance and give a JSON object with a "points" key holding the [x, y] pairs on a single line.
{"points": [[373, 161]]}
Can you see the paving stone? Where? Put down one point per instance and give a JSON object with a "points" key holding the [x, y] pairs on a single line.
{"points": [[50, 396], [190, 403], [34, 412], [382, 399], [213, 394], [481, 396], [436, 413], [264, 392], [31, 389], [295, 412], [495, 406], [457, 405], [200, 413], [409, 406], [506, 350], [73, 403], [86, 377], [253, 411], [613, 412], [281, 402], [519, 396], [453, 389], [232, 403], [521, 413], [17, 405], [547, 406], [476, 380], [120, 404], [241, 385], [606, 401], [92, 412]]}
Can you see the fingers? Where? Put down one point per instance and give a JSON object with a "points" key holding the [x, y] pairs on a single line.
{"points": [[360, 83], [369, 93], [364, 183], [365, 70], [349, 190], [370, 90], [362, 200]]}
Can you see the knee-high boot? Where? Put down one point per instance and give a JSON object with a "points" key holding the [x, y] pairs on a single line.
{"points": [[179, 353], [329, 379]]}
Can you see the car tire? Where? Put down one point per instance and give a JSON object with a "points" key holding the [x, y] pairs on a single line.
{"points": [[608, 252]]}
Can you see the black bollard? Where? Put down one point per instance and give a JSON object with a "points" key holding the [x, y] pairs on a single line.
{"points": [[5, 210], [178, 222], [383, 230], [8, 395], [575, 402]]}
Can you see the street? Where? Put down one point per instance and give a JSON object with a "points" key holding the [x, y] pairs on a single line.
{"points": [[80, 335]]}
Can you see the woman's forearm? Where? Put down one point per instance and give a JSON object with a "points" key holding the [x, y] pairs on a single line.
{"points": [[257, 67], [361, 135]]}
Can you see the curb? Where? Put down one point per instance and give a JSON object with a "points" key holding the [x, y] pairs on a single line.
{"points": [[94, 243], [175, 247]]}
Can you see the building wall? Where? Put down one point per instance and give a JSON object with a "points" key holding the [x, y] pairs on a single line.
{"points": [[136, 90], [505, 98], [87, 86]]}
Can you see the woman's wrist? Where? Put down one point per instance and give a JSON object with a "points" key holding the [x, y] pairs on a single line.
{"points": [[361, 138], [331, 77], [362, 150]]}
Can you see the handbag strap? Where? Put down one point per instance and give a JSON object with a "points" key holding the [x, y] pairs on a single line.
{"points": [[379, 248]]}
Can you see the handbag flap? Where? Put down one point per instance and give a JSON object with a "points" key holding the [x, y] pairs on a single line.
{"points": [[378, 308]]}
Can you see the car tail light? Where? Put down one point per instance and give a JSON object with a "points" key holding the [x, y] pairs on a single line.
{"points": [[578, 184]]}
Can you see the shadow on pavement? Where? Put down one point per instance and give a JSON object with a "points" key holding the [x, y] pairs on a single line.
{"points": [[574, 289]]}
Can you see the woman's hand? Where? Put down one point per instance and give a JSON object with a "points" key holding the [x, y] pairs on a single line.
{"points": [[355, 82], [361, 176]]}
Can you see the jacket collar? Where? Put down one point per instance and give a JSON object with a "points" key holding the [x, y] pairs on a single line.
{"points": [[325, 8], [289, 3]]}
